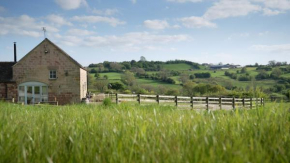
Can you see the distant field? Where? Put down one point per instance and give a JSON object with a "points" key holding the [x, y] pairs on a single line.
{"points": [[176, 67], [132, 133], [112, 75], [157, 83]]}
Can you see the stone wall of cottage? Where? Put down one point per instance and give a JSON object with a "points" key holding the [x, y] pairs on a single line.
{"points": [[36, 66], [83, 83], [8, 91]]}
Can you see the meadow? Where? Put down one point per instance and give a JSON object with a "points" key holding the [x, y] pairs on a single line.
{"points": [[149, 133]]}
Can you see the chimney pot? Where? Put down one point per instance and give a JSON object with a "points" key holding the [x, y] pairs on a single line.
{"points": [[15, 54]]}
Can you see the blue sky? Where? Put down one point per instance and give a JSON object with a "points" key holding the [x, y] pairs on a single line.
{"points": [[204, 31]]}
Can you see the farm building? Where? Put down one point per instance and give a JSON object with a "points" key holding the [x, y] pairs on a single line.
{"points": [[45, 74]]}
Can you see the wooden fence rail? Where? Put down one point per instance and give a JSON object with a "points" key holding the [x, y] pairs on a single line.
{"points": [[191, 101]]}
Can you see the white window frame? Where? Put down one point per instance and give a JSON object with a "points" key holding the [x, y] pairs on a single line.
{"points": [[43, 97], [52, 74]]}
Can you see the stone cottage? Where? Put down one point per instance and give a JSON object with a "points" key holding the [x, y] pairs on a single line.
{"points": [[46, 73]]}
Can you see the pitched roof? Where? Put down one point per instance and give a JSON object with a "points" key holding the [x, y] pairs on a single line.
{"points": [[69, 57], [6, 72]]}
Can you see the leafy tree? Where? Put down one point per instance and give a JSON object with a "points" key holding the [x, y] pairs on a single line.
{"points": [[262, 75], [161, 90], [202, 75], [191, 77], [276, 73], [97, 75], [245, 78], [272, 63], [116, 86], [106, 77], [244, 70], [164, 74], [188, 88], [101, 85], [143, 59], [93, 70], [183, 78], [128, 78], [115, 66]]}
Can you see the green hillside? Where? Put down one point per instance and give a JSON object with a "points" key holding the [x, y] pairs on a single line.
{"points": [[171, 76]]}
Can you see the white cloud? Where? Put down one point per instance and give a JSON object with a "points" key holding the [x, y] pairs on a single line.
{"points": [[282, 48], [23, 25], [276, 4], [134, 1], [230, 8], [263, 33], [106, 12], [71, 4], [134, 38], [2, 9], [79, 32], [156, 24], [270, 12], [183, 1], [196, 22], [98, 19], [58, 20], [128, 42]]}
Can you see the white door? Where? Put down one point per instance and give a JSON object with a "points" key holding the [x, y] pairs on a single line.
{"points": [[32, 92]]}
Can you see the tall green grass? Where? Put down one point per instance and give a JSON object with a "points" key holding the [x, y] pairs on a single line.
{"points": [[127, 133]]}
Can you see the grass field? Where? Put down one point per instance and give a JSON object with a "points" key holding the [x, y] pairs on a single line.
{"points": [[133, 133], [176, 67]]}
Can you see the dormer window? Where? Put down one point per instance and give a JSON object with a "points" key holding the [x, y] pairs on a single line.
{"points": [[52, 74]]}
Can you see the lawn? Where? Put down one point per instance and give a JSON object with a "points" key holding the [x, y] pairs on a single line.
{"points": [[132, 133]]}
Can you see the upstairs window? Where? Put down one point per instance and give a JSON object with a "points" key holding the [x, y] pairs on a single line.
{"points": [[52, 74]]}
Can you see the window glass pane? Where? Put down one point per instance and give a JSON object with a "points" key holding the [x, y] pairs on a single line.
{"points": [[52, 74], [29, 91], [36, 90], [21, 91]]}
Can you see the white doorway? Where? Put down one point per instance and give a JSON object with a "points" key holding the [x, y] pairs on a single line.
{"points": [[32, 92]]}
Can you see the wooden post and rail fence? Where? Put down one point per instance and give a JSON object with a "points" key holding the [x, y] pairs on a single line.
{"points": [[191, 101]]}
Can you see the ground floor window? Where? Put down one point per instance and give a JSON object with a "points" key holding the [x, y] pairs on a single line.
{"points": [[32, 92]]}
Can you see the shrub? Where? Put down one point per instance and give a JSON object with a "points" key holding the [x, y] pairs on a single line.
{"points": [[244, 78], [107, 102], [202, 75]]}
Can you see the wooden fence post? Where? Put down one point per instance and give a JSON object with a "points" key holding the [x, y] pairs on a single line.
{"points": [[251, 103], [263, 101], [176, 101], [157, 99], [220, 102], [139, 98], [207, 103], [243, 102], [13, 100], [234, 103], [191, 101], [117, 99]]}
